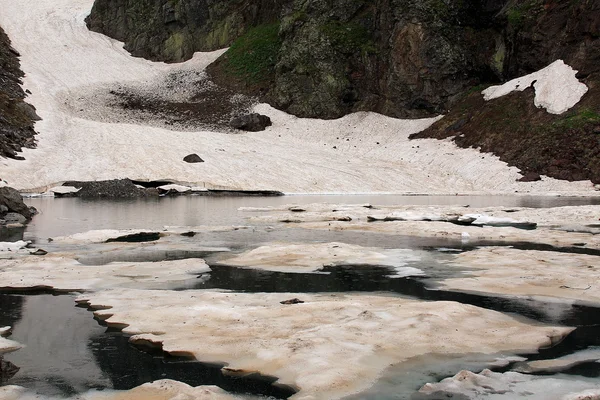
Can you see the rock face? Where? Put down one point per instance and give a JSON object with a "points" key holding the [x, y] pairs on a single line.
{"points": [[16, 116], [403, 58], [12, 208], [251, 122], [172, 30]]}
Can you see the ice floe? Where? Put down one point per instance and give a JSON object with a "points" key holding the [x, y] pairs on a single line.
{"points": [[556, 87], [467, 385], [312, 257], [591, 354], [509, 271], [13, 246], [7, 345], [329, 346], [164, 389], [67, 274]]}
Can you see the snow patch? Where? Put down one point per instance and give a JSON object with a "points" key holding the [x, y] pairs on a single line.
{"points": [[64, 189], [13, 246], [556, 87]]}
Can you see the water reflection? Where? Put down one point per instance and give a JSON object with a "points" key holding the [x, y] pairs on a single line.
{"points": [[67, 352], [71, 215]]}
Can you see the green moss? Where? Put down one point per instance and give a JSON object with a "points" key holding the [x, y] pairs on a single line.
{"points": [[174, 45], [577, 119], [252, 57], [521, 13], [348, 37]]}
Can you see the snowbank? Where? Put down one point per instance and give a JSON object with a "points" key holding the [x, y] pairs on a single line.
{"points": [[329, 346], [556, 87], [363, 152]]}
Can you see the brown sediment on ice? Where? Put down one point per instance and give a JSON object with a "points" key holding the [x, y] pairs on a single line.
{"points": [[329, 346], [311, 257], [64, 273], [508, 271], [559, 226]]}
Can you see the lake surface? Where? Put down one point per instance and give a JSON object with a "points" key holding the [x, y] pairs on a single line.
{"points": [[69, 352], [71, 215]]}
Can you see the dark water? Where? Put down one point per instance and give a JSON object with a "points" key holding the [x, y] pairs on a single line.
{"points": [[68, 352]]}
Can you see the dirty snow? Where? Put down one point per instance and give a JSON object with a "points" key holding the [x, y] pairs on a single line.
{"points": [[7, 345], [508, 271], [64, 273], [363, 152], [489, 385], [330, 346], [556, 87], [164, 389], [312, 257]]}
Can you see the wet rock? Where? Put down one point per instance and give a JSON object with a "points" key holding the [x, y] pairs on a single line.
{"points": [[251, 122], [116, 188], [193, 158], [12, 202], [530, 177], [39, 252], [14, 218], [292, 301], [136, 237], [7, 370]]}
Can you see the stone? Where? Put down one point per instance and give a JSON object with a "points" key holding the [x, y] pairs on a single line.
{"points": [[530, 177], [12, 200], [295, 300], [7, 370], [251, 122], [14, 218], [193, 158]]}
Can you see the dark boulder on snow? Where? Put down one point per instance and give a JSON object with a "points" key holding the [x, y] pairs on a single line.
{"points": [[251, 122], [193, 158]]}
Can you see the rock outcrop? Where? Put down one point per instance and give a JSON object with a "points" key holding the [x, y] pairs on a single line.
{"points": [[16, 116], [112, 189], [12, 207], [403, 58], [172, 30]]}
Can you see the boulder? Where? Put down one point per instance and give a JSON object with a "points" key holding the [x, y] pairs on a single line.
{"points": [[251, 122], [7, 370], [14, 218], [530, 177], [13, 202], [192, 158]]}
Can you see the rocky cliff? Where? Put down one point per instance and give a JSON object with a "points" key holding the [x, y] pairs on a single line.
{"points": [[16, 116], [172, 30], [315, 58]]}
